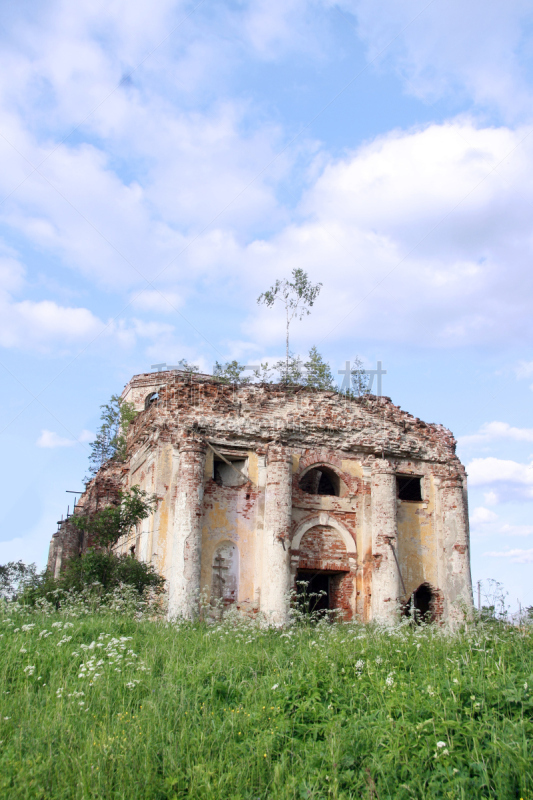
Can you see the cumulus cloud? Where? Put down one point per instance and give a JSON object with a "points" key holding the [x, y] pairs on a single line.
{"points": [[513, 480], [51, 440], [164, 302], [482, 471], [491, 431], [426, 230], [40, 324], [419, 230], [481, 516], [491, 498], [479, 49], [516, 555]]}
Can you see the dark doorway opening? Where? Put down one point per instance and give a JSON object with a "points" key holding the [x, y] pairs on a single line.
{"points": [[420, 604], [312, 590]]}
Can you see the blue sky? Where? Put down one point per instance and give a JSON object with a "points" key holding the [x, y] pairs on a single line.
{"points": [[162, 164]]}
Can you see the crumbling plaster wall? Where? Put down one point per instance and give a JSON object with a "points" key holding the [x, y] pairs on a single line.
{"points": [[396, 545]]}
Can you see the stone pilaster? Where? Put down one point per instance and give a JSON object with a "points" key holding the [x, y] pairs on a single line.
{"points": [[275, 571], [455, 537], [385, 576], [185, 560]]}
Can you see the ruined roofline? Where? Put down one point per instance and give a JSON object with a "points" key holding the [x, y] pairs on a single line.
{"points": [[246, 396]]}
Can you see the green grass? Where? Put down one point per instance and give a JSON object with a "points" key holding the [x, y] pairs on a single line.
{"points": [[233, 711]]}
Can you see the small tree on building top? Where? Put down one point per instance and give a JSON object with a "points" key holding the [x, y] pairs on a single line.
{"points": [[298, 296]]}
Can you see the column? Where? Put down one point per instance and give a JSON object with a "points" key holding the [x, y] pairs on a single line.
{"points": [[185, 560], [275, 582], [455, 565], [385, 576]]}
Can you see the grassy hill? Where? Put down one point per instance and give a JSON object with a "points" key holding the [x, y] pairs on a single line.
{"points": [[98, 704]]}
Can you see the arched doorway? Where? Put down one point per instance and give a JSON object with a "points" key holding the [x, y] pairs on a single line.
{"points": [[324, 574], [421, 606]]}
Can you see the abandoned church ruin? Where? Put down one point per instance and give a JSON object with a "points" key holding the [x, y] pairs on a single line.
{"points": [[261, 486]]}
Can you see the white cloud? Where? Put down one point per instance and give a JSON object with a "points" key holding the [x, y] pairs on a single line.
{"points": [[51, 440], [40, 324], [482, 471], [491, 431], [163, 301], [418, 231], [481, 516], [491, 498], [479, 49], [517, 556]]}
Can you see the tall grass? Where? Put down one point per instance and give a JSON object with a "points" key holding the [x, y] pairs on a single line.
{"points": [[100, 704]]}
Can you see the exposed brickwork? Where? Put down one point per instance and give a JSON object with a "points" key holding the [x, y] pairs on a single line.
{"points": [[321, 548], [280, 435]]}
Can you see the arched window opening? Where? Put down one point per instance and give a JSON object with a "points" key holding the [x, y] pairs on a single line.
{"points": [[322, 481], [150, 398], [225, 569], [421, 605]]}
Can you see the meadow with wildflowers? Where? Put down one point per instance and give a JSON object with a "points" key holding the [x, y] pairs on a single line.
{"points": [[108, 701]]}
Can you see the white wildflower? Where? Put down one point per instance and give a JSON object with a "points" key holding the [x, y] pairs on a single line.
{"points": [[379, 660], [81, 703], [359, 664], [389, 680], [275, 686], [23, 650], [29, 669], [6, 718], [441, 744]]}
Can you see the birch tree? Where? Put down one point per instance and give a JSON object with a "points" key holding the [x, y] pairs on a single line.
{"points": [[297, 296]]}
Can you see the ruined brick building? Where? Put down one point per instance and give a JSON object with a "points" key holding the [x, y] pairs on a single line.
{"points": [[260, 486]]}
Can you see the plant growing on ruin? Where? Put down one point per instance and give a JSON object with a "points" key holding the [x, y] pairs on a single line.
{"points": [[318, 373], [110, 440], [360, 380], [290, 370], [230, 372], [298, 296], [184, 365], [105, 527]]}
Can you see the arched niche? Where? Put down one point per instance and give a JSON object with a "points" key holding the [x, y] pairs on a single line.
{"points": [[225, 573], [328, 520]]}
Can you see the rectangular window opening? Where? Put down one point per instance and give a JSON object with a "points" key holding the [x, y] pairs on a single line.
{"points": [[224, 475], [409, 487]]}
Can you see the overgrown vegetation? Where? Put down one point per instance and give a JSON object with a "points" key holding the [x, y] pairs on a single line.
{"points": [[110, 441], [105, 527], [131, 707]]}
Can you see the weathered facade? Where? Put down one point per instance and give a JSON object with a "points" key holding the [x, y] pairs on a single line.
{"points": [[261, 486]]}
